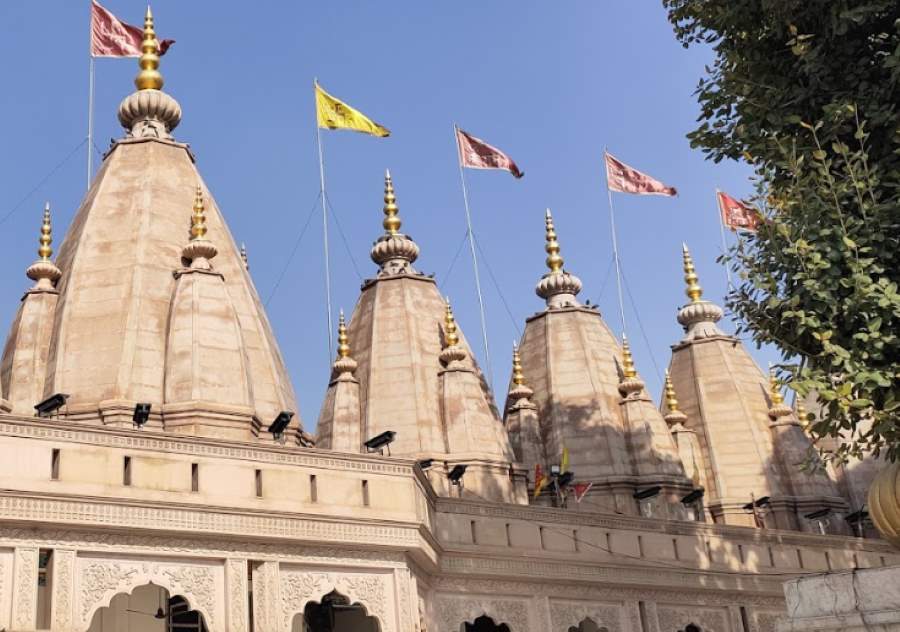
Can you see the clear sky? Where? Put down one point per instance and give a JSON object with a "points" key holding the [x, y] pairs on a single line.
{"points": [[551, 83]]}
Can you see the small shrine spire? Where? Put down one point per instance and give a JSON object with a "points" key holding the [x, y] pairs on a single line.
{"points": [[778, 408], [43, 271], [519, 392], [199, 250], [394, 252], [344, 365], [693, 290], [558, 287], [629, 384], [452, 354], [149, 78], [671, 399], [518, 377], [674, 417]]}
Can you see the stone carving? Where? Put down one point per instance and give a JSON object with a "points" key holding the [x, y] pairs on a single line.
{"points": [[264, 613], [678, 617], [368, 590], [196, 583], [99, 582], [299, 588], [766, 621], [25, 587], [402, 581], [236, 583], [63, 576], [452, 612], [565, 614]]}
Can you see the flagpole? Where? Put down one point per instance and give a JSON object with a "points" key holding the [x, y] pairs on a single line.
{"points": [[325, 235], [90, 136], [615, 245], [484, 338], [722, 232]]}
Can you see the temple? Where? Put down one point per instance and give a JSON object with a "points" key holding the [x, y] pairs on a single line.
{"points": [[157, 475]]}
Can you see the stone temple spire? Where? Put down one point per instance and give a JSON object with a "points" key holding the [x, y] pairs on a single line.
{"points": [[452, 355], [629, 383], [199, 250], [44, 272], [149, 112], [698, 317], [393, 251], [558, 287], [673, 416], [344, 366], [340, 421], [521, 419]]}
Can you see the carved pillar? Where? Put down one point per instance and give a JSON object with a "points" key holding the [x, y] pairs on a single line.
{"points": [[236, 595], [266, 598], [62, 583], [407, 617], [25, 574], [544, 618]]}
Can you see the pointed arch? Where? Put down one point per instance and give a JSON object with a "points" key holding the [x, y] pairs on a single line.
{"points": [[587, 625], [484, 623], [334, 612], [150, 607]]}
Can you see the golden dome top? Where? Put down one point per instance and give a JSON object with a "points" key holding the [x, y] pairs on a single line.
{"points": [[554, 260], [693, 290], [45, 251], [391, 221], [149, 78], [628, 370]]}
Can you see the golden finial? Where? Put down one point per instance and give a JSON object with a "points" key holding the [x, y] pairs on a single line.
{"points": [[693, 291], [775, 388], [198, 219], [628, 370], [800, 412], [391, 221], [554, 260], [671, 400], [45, 251], [517, 377], [450, 334], [149, 78], [343, 341]]}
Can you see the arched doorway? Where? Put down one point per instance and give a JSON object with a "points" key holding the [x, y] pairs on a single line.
{"points": [[587, 625], [690, 627], [334, 613], [147, 608], [485, 624]]}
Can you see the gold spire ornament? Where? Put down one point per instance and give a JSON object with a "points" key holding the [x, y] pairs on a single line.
{"points": [[391, 221], [554, 260], [674, 417], [671, 399], [149, 78], [775, 388], [198, 219], [344, 365], [693, 291], [43, 271], [628, 370], [46, 251], [452, 354], [778, 408], [518, 377], [450, 333], [343, 348]]}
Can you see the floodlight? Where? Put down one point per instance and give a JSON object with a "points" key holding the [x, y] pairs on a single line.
{"points": [[554, 470], [821, 513], [51, 404], [650, 492], [564, 479], [381, 441], [281, 422], [693, 496], [425, 463], [141, 414], [456, 473], [763, 502]]}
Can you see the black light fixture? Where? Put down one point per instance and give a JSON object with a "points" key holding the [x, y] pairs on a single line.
{"points": [[380, 442], [857, 521], [763, 502], [564, 479], [425, 463], [141, 414], [456, 473], [816, 515], [650, 492], [692, 497], [281, 422], [50, 405]]}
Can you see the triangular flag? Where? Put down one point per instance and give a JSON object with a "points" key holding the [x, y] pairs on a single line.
{"points": [[624, 179], [111, 37], [332, 113], [737, 215]]}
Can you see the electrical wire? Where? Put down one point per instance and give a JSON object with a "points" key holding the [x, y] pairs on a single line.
{"points": [[462, 244], [43, 181], [290, 258], [637, 317], [337, 223], [497, 287]]}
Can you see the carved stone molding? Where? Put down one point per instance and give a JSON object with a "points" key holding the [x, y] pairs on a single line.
{"points": [[99, 580], [674, 618], [609, 616], [25, 575], [198, 546], [180, 519], [372, 591], [265, 597], [452, 611], [236, 595], [6, 563], [63, 583]]}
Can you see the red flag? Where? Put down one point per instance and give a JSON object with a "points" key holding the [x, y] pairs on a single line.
{"points": [[624, 179], [540, 481], [111, 37], [581, 490], [477, 154], [737, 215]]}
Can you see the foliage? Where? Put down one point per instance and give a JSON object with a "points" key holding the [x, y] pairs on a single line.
{"points": [[820, 278]]}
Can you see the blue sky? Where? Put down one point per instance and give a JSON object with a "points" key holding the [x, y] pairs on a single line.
{"points": [[551, 83]]}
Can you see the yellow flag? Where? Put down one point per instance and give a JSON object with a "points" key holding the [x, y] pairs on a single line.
{"points": [[564, 466], [333, 113]]}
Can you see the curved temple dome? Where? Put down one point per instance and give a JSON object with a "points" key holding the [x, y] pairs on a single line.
{"points": [[123, 298]]}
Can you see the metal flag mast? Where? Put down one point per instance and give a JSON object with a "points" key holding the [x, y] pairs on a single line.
{"points": [[615, 245], [324, 232], [722, 232], [90, 134], [484, 338]]}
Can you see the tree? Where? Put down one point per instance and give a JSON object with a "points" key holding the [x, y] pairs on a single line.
{"points": [[808, 92]]}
